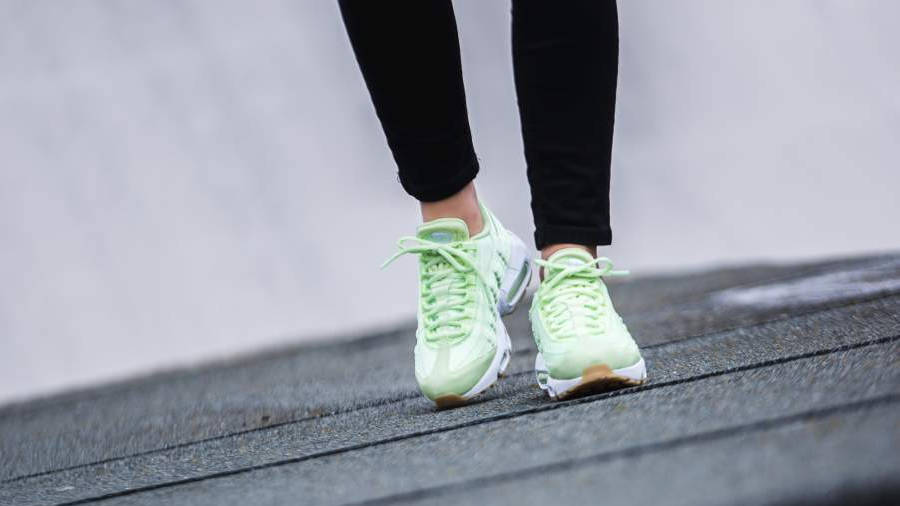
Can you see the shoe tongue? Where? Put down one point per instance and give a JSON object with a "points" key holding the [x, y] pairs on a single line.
{"points": [[443, 230], [571, 256]]}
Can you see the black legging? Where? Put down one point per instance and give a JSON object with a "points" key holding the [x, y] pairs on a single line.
{"points": [[565, 56]]}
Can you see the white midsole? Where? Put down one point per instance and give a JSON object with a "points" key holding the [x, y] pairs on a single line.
{"points": [[498, 365], [518, 260], [556, 387]]}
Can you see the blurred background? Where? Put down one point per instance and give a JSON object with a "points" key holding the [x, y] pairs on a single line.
{"points": [[183, 181]]}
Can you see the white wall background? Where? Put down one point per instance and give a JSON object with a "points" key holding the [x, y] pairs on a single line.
{"points": [[182, 181]]}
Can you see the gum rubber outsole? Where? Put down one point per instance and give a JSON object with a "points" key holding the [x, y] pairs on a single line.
{"points": [[598, 379], [450, 401]]}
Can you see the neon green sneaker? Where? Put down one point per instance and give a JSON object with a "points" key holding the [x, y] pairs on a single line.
{"points": [[465, 285], [583, 344]]}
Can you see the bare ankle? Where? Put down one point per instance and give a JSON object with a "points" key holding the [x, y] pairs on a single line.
{"points": [[550, 249], [462, 204]]}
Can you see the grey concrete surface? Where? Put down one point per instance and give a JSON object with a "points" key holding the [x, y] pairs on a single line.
{"points": [[183, 180], [304, 382], [730, 414], [834, 457]]}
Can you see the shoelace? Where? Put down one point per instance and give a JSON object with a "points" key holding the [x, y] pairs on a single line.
{"points": [[447, 270], [573, 293]]}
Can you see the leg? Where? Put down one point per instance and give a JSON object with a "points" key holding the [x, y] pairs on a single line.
{"points": [[566, 59], [408, 51], [565, 55], [471, 269]]}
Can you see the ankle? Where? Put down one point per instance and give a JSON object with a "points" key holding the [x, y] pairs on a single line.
{"points": [[462, 204], [550, 249]]}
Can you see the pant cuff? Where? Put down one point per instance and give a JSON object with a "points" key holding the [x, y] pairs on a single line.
{"points": [[445, 188], [587, 236]]}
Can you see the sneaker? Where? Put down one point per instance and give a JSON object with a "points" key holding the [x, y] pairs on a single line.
{"points": [[465, 285], [583, 344]]}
